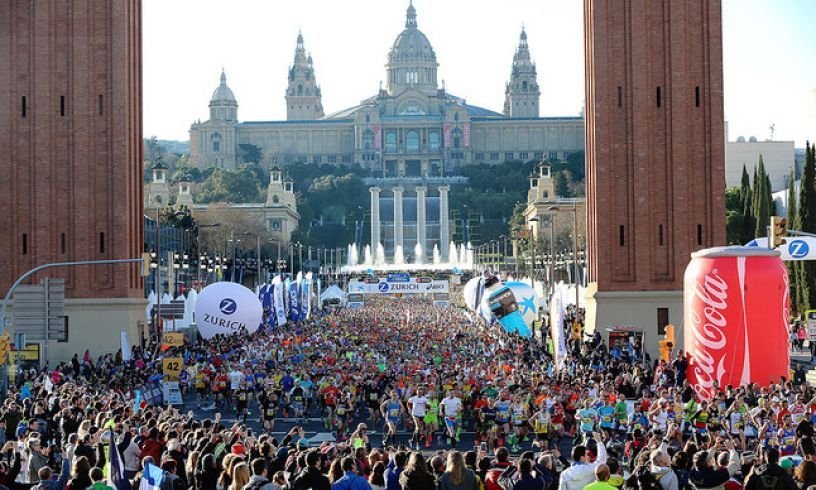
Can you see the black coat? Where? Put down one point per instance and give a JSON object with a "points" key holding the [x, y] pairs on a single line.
{"points": [[311, 478]]}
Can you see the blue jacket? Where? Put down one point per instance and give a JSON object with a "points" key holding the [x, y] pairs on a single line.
{"points": [[350, 481], [392, 475]]}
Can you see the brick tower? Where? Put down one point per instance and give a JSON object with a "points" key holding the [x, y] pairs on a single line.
{"points": [[71, 159], [655, 156]]}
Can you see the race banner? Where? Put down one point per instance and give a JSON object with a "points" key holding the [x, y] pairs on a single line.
{"points": [[305, 301], [415, 285], [294, 300], [277, 301]]}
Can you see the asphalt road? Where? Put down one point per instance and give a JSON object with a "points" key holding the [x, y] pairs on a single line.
{"points": [[317, 433]]}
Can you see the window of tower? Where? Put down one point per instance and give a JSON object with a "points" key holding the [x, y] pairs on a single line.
{"points": [[300, 89], [368, 139], [433, 140], [412, 141], [524, 86]]}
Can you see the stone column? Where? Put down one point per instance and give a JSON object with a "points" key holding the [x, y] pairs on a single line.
{"points": [[421, 192], [375, 219], [444, 223], [398, 218]]}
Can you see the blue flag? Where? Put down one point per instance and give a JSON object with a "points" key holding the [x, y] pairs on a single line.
{"points": [[116, 473], [294, 301], [152, 477], [138, 400]]}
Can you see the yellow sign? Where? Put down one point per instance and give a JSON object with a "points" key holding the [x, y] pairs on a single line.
{"points": [[173, 339], [171, 367]]}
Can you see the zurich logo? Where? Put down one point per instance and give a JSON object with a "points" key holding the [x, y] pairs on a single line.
{"points": [[228, 306], [383, 286]]}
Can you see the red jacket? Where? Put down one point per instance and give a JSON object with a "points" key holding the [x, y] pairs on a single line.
{"points": [[153, 448]]}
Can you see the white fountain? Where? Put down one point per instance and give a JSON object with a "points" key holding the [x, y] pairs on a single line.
{"points": [[469, 258], [368, 259], [418, 254], [437, 258], [399, 256], [353, 255], [380, 260], [452, 259], [462, 254]]}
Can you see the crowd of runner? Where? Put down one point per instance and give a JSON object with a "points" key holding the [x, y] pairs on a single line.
{"points": [[420, 377]]}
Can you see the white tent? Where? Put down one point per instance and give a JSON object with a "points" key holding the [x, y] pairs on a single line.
{"points": [[332, 292]]}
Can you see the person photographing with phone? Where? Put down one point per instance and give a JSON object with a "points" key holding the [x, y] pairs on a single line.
{"points": [[582, 472]]}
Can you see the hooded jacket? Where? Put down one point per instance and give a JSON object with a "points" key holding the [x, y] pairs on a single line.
{"points": [[754, 480]]}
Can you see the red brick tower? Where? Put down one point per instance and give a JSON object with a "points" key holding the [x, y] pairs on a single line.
{"points": [[655, 154], [71, 155]]}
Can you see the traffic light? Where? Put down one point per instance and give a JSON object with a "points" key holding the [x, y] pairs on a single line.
{"points": [[5, 345], [145, 264], [779, 228], [667, 344]]}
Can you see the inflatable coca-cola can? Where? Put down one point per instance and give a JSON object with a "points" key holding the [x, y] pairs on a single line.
{"points": [[735, 318]]}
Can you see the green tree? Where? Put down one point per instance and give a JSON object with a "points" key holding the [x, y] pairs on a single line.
{"points": [[762, 200], [734, 217], [560, 183], [807, 222], [794, 278], [249, 153], [242, 185], [153, 150]]}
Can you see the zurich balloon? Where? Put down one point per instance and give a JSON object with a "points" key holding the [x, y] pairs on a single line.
{"points": [[227, 308]]}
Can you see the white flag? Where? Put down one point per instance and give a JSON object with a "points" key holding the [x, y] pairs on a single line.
{"points": [[127, 354]]}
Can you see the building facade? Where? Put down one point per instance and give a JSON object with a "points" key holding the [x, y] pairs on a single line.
{"points": [[543, 205], [71, 160], [778, 157], [655, 156], [412, 127]]}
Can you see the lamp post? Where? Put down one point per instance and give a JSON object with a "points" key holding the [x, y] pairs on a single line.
{"points": [[574, 247], [198, 244], [532, 220]]}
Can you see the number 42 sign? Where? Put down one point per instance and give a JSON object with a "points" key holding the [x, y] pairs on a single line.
{"points": [[171, 367]]}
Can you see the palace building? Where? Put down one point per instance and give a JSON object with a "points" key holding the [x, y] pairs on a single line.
{"points": [[412, 127]]}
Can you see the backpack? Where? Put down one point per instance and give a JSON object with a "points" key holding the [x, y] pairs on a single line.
{"points": [[647, 480], [770, 482], [508, 478], [493, 477]]}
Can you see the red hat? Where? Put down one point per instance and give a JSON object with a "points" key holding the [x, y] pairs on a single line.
{"points": [[238, 449]]}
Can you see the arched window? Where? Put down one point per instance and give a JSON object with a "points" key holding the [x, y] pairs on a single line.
{"points": [[433, 140], [412, 140], [368, 139], [457, 137], [391, 141], [300, 89], [524, 86], [456, 116], [275, 199]]}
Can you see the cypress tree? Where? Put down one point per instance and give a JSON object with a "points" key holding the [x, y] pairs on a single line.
{"points": [[747, 210], [793, 265], [807, 222], [762, 210]]}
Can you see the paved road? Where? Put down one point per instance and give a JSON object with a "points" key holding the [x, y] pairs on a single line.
{"points": [[316, 432]]}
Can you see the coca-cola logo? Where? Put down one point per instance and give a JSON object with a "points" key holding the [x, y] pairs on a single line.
{"points": [[709, 333]]}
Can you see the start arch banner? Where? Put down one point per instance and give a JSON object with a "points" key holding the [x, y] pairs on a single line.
{"points": [[414, 285]]}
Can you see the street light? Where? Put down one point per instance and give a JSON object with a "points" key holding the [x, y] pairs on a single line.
{"points": [[532, 220], [574, 246]]}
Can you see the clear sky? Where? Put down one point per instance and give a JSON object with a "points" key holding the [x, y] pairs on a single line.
{"points": [[769, 63]]}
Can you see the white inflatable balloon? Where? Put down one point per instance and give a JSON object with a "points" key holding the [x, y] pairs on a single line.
{"points": [[472, 292], [475, 299], [527, 300], [226, 308]]}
